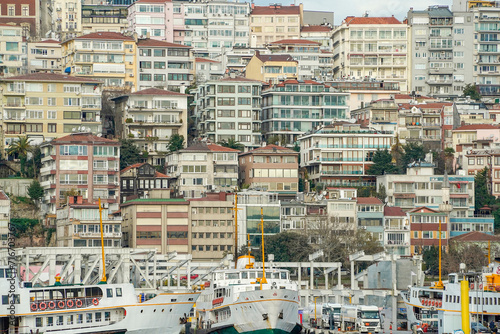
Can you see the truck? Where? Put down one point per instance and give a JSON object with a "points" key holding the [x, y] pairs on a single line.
{"points": [[328, 315], [362, 318]]}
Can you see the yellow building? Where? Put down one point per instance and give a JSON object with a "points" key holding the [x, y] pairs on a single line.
{"points": [[106, 56], [44, 106], [274, 23], [271, 68]]}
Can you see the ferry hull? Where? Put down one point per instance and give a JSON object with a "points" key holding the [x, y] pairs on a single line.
{"points": [[232, 330]]}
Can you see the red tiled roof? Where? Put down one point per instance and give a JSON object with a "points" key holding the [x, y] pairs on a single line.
{"points": [[276, 10], [219, 148], [137, 165], [295, 82], [316, 28], [106, 35], [426, 209], [296, 41], [85, 138], [266, 57], [372, 20], [409, 97], [270, 148], [50, 77], [205, 60], [369, 200], [52, 41], [3, 196], [476, 127], [393, 211], [163, 44], [157, 91], [158, 174], [433, 105], [475, 236]]}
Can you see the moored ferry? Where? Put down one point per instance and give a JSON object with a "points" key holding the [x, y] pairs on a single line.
{"points": [[100, 308], [237, 301], [441, 308]]}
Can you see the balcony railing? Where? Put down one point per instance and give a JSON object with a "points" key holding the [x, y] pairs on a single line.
{"points": [[341, 172]]}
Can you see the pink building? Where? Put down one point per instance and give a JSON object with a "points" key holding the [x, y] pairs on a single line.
{"points": [[153, 19]]}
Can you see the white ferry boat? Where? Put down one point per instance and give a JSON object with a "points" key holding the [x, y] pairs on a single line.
{"points": [[441, 308], [101, 308], [235, 301]]}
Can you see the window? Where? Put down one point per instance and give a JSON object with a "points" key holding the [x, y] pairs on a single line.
{"points": [[52, 128], [11, 10], [71, 101], [159, 64], [51, 101], [71, 88], [159, 52], [145, 77]]}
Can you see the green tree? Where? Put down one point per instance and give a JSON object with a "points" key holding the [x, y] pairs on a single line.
{"points": [[472, 91], [397, 152], [381, 194], [413, 152], [449, 155], [231, 143], [19, 149], [129, 153], [482, 195], [382, 164], [431, 260], [26, 228], [35, 191], [288, 247], [175, 142], [34, 164]]}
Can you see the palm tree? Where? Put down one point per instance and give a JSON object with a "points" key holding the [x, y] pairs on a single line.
{"points": [[232, 143], [20, 148]]}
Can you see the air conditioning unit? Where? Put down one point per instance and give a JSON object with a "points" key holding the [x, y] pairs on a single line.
{"points": [[105, 205]]}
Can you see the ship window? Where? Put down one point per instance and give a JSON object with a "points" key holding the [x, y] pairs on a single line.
{"points": [[89, 317], [470, 300], [69, 320], [39, 322], [109, 293], [232, 276], [98, 317], [475, 300], [93, 292], [118, 292], [50, 321], [276, 275], [244, 275], [283, 275], [486, 301], [79, 318], [5, 299], [2, 273], [107, 316], [251, 274], [458, 299], [60, 320]]}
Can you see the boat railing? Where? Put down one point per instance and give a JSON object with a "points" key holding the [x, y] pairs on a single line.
{"points": [[64, 303]]}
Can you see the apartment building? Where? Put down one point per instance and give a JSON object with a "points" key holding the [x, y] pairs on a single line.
{"points": [[150, 117], [486, 19], [474, 136], [212, 226], [474, 160], [321, 34], [163, 65], [138, 179], [207, 69], [152, 18], [396, 231], [22, 13], [294, 107], [211, 27], [99, 17], [201, 168], [158, 222], [66, 19], [4, 219], [424, 225], [109, 57], [371, 47], [44, 56], [78, 225], [341, 213], [12, 51], [362, 93], [380, 115], [441, 55], [82, 163], [313, 63], [370, 216], [229, 109], [275, 22], [341, 153], [271, 68], [44, 106], [270, 168], [254, 207]]}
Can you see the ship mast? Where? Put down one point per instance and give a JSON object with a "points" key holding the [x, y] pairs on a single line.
{"points": [[103, 280]]}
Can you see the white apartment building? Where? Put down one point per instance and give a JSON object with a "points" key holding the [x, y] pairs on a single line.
{"points": [[372, 47], [12, 51], [44, 56], [150, 117], [230, 109], [210, 27], [152, 19], [66, 18], [4, 219], [163, 65], [202, 168]]}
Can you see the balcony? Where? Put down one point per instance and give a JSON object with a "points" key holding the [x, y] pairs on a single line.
{"points": [[440, 82], [152, 123], [98, 235], [431, 137], [431, 125], [340, 172]]}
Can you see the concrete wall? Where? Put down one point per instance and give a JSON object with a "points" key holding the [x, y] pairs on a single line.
{"points": [[15, 187]]}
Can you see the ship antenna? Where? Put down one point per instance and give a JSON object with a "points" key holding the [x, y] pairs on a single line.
{"points": [[263, 279], [103, 280]]}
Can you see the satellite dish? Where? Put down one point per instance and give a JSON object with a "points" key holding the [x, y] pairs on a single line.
{"points": [[324, 192], [74, 129], [99, 135]]}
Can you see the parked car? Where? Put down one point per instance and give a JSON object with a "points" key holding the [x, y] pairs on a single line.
{"points": [[477, 327]]}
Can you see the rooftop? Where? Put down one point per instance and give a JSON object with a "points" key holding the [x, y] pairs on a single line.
{"points": [[471, 127], [270, 148], [155, 43], [274, 57], [276, 10], [369, 201], [154, 201], [202, 147], [50, 77], [393, 211], [3, 196], [205, 60], [238, 78], [296, 41], [316, 28], [158, 91], [296, 82], [108, 35], [371, 20], [475, 236], [84, 138]]}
